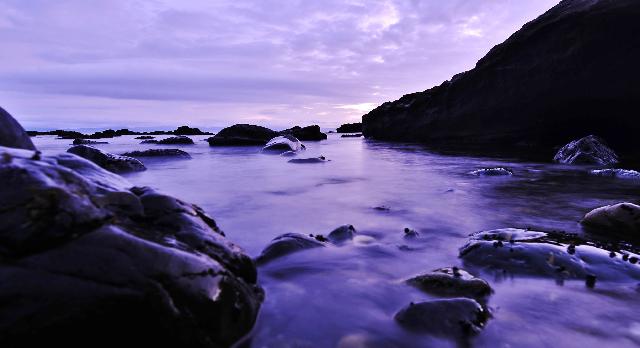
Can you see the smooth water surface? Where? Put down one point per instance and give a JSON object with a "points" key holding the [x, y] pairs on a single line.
{"points": [[347, 296]]}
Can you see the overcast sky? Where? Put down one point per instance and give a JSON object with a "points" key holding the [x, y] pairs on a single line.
{"points": [[161, 63]]}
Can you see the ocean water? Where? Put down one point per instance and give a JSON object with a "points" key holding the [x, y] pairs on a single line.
{"points": [[347, 296]]}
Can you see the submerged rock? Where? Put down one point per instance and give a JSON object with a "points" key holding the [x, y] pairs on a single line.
{"points": [[12, 134], [87, 142], [179, 140], [522, 252], [342, 234], [350, 128], [620, 220], [86, 257], [283, 143], [451, 282], [588, 150], [451, 318], [158, 153], [108, 161], [320, 159], [308, 133], [616, 173], [357, 135], [499, 171], [149, 141], [242, 135], [286, 244]]}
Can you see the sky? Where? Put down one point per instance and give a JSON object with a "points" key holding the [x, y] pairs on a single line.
{"points": [[78, 64]]}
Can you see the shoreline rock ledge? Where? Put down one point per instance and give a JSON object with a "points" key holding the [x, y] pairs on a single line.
{"points": [[89, 260], [570, 72]]}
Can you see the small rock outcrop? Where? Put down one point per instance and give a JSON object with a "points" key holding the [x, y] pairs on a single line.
{"points": [[145, 137], [616, 173], [350, 128], [288, 243], [108, 161], [342, 234], [588, 150], [620, 220], [283, 143], [452, 282], [158, 153], [308, 133], [499, 171], [12, 134], [87, 142], [242, 135], [356, 135], [185, 130], [320, 159], [86, 256], [179, 140], [455, 318]]}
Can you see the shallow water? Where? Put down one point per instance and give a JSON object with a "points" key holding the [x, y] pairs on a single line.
{"points": [[348, 295]]}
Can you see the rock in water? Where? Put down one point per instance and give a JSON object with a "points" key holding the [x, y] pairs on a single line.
{"points": [[80, 141], [616, 173], [179, 140], [350, 128], [309, 133], [620, 220], [186, 130], [145, 137], [534, 90], [283, 143], [12, 134], [452, 282], [342, 234], [492, 172], [108, 161], [320, 159], [450, 318], [242, 135], [158, 153], [286, 244], [86, 258], [588, 150]]}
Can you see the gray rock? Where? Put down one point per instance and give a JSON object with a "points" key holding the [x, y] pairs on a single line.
{"points": [[587, 150], [12, 134], [498, 171], [108, 161], [455, 318], [618, 220], [178, 140], [342, 234], [158, 153], [283, 143], [320, 159], [452, 282], [616, 173], [85, 256], [288, 243], [242, 135]]}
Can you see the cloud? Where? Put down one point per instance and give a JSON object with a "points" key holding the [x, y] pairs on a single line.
{"points": [[133, 58]]}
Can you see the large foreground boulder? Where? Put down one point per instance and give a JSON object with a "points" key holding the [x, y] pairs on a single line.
{"points": [[570, 72], [108, 161], [12, 134], [620, 220], [242, 135], [588, 150], [86, 259]]}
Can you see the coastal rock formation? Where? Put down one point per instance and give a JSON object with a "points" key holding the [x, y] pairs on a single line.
{"points": [[451, 282], [185, 130], [350, 128], [283, 143], [108, 161], [616, 173], [179, 140], [309, 133], [12, 134], [242, 135], [144, 137], [450, 318], [620, 220], [87, 142], [570, 72], [158, 153], [87, 258], [588, 150], [320, 159], [288, 243], [522, 252]]}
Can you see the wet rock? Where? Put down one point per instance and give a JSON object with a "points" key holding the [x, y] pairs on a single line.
{"points": [[286, 244], [145, 137], [499, 171], [309, 133], [588, 150], [620, 220], [557, 255], [452, 282], [158, 153], [108, 161], [87, 142], [242, 135], [283, 143], [185, 130], [616, 173], [342, 234], [451, 318], [179, 140], [382, 208], [410, 233], [350, 128], [86, 256], [149, 141], [357, 135], [320, 159], [12, 134]]}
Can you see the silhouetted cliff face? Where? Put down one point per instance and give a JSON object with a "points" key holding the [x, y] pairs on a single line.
{"points": [[573, 71]]}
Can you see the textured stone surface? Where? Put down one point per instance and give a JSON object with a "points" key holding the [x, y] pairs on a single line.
{"points": [[108, 161], [12, 134], [588, 150]]}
